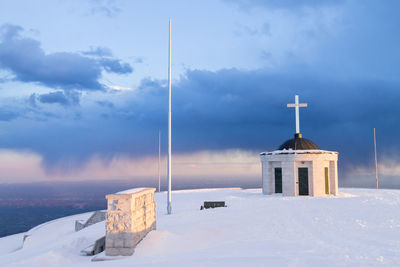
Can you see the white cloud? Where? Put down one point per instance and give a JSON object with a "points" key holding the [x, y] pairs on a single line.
{"points": [[20, 166], [386, 166], [118, 88]]}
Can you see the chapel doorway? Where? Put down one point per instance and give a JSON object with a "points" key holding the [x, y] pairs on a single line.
{"points": [[303, 181], [327, 180], [278, 180]]}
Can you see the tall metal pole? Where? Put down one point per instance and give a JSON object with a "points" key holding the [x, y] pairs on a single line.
{"points": [[159, 160], [376, 162], [169, 207]]}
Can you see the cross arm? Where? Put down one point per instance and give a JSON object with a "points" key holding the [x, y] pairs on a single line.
{"points": [[294, 105]]}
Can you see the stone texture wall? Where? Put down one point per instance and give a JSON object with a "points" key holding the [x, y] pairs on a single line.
{"points": [[130, 216], [97, 216]]}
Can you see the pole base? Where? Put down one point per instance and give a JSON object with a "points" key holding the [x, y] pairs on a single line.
{"points": [[169, 208]]}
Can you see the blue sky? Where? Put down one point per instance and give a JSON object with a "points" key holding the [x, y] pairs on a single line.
{"points": [[83, 85]]}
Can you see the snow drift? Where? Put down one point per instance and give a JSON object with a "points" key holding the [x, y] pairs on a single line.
{"points": [[360, 227]]}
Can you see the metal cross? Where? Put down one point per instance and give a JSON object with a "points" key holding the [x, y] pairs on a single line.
{"points": [[296, 105]]}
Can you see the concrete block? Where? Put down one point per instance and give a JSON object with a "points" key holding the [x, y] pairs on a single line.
{"points": [[112, 251], [109, 242], [126, 251], [129, 243], [130, 216], [119, 243]]}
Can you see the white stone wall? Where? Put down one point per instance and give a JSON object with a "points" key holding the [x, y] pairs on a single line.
{"points": [[318, 170], [333, 177], [130, 216], [268, 184], [288, 178], [290, 161]]}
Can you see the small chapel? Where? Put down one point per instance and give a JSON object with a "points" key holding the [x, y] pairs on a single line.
{"points": [[299, 167]]}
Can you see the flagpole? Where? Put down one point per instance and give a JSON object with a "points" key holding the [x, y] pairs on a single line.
{"points": [[376, 162], [169, 207], [296, 102], [159, 160]]}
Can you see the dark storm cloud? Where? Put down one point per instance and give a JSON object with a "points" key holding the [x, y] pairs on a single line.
{"points": [[351, 84], [115, 66], [60, 97], [54, 97], [223, 110], [247, 109], [24, 58]]}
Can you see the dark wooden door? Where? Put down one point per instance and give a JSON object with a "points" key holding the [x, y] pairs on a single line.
{"points": [[278, 180], [303, 181], [326, 180]]}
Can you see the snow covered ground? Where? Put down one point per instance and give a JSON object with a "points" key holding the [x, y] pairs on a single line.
{"points": [[361, 227]]}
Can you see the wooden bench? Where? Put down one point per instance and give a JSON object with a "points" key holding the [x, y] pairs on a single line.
{"points": [[213, 204]]}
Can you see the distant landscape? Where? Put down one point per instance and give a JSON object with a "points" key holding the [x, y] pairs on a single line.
{"points": [[23, 206]]}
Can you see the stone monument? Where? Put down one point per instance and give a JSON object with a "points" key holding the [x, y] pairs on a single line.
{"points": [[130, 216]]}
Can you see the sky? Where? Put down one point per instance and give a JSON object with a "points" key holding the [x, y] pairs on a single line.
{"points": [[83, 86]]}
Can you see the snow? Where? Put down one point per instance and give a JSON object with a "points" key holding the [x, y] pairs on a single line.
{"points": [[11, 243], [131, 191], [360, 227], [292, 151]]}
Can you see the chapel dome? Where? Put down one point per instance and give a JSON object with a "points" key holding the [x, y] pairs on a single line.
{"points": [[299, 143]]}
